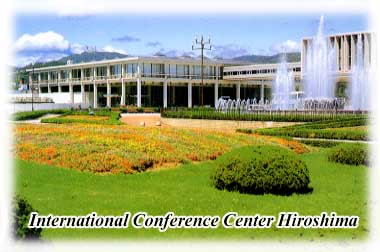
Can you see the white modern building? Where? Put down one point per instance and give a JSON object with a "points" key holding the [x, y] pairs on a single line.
{"points": [[165, 82]]}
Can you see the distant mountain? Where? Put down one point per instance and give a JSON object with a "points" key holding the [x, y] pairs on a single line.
{"points": [[78, 58], [260, 59]]}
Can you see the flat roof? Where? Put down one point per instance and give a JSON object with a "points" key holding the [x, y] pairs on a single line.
{"points": [[139, 58], [260, 66], [341, 34]]}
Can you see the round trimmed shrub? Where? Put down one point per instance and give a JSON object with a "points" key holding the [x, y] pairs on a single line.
{"points": [[21, 213], [348, 153], [261, 169]]}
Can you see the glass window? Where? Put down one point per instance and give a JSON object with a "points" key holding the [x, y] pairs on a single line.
{"points": [[172, 71], [158, 70], [131, 68], [147, 69], [101, 71], [115, 70]]}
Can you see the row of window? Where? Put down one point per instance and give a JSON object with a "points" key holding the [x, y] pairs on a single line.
{"points": [[148, 70], [257, 71]]}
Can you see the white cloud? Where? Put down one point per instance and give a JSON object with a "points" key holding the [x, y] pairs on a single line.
{"points": [[41, 57], [77, 48], [228, 51], [109, 48], [44, 41], [286, 46]]}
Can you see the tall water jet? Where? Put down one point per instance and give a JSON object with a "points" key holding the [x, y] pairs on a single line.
{"points": [[283, 86], [320, 67], [359, 79]]}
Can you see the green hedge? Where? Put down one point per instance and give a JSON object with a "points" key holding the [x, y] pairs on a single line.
{"points": [[261, 169], [280, 116], [322, 129], [29, 115], [320, 143], [348, 153], [21, 215]]}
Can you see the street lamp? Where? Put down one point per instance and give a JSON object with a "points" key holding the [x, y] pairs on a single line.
{"points": [[32, 86], [201, 45]]}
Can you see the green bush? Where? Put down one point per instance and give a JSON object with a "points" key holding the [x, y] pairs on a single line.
{"points": [[29, 115], [21, 215], [347, 153], [259, 115], [323, 129], [320, 143], [261, 169]]}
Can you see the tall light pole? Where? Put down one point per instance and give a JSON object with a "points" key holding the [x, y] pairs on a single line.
{"points": [[32, 86], [201, 45]]}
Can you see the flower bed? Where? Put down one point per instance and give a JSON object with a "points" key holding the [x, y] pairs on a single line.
{"points": [[119, 148]]}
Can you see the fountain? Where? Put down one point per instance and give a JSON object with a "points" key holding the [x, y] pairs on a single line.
{"points": [[320, 67], [319, 83], [359, 80], [283, 86]]}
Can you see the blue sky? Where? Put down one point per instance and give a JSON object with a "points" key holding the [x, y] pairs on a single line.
{"points": [[43, 37]]}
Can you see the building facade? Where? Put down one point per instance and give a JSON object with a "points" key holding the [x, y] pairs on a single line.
{"points": [[166, 82]]}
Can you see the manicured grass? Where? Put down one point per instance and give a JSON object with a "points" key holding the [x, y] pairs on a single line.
{"points": [[187, 190]]}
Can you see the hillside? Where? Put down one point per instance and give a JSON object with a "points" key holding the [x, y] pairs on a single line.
{"points": [[78, 58], [261, 59]]}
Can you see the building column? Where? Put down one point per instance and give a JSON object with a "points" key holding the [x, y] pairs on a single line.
{"points": [[345, 53], [82, 92], [139, 85], [108, 72], [59, 79], [138, 92], [122, 102], [189, 95], [165, 91], [108, 94], [366, 50], [238, 90], [95, 95], [71, 91], [49, 88], [122, 70], [262, 92], [336, 52], [216, 89], [353, 53]]}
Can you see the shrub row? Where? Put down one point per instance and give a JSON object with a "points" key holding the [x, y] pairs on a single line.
{"points": [[348, 153], [348, 134], [29, 115], [320, 143], [281, 116], [133, 109], [261, 169], [334, 123]]}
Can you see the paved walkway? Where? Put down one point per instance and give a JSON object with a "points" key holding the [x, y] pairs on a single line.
{"points": [[149, 119]]}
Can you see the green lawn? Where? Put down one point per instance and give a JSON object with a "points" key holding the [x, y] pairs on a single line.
{"points": [[187, 190]]}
